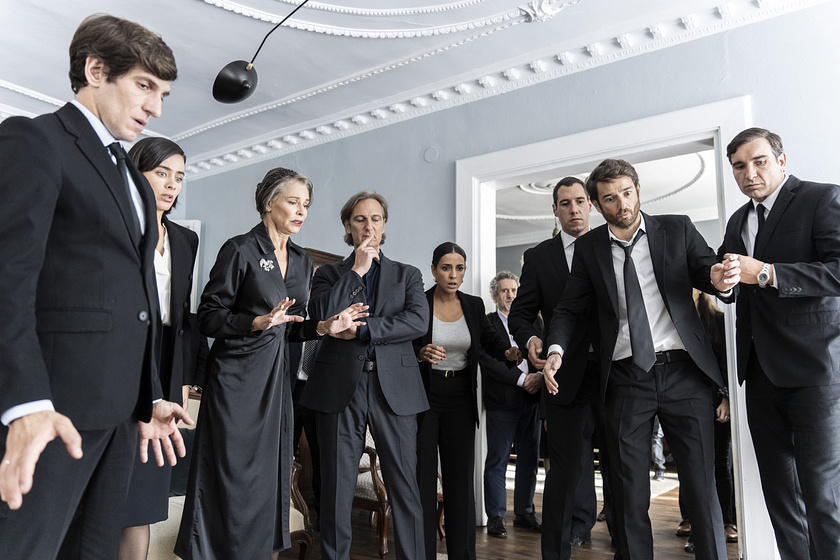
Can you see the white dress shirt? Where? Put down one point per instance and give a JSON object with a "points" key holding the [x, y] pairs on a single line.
{"points": [[751, 226], [662, 329], [163, 274], [523, 367]]}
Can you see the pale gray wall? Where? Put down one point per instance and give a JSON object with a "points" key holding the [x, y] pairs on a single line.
{"points": [[788, 64]]}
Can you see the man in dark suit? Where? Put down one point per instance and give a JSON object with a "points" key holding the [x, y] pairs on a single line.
{"points": [[787, 244], [638, 271], [511, 399], [569, 501], [368, 379], [78, 301]]}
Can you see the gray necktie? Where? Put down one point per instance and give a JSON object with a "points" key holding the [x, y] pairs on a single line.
{"points": [[641, 341]]}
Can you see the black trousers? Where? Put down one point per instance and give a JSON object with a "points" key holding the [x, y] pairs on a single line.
{"points": [[682, 396], [448, 428], [75, 508], [569, 501], [796, 433], [342, 439]]}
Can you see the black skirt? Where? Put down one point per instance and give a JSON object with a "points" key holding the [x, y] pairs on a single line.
{"points": [[148, 492]]}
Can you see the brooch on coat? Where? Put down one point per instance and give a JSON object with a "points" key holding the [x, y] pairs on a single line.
{"points": [[267, 264]]}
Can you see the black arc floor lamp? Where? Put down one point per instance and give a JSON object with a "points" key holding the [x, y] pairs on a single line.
{"points": [[238, 80]]}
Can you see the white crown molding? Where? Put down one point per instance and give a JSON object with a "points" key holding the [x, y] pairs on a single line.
{"points": [[372, 12], [372, 33], [629, 43]]}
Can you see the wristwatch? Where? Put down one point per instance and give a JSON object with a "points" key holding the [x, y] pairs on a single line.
{"points": [[764, 276]]}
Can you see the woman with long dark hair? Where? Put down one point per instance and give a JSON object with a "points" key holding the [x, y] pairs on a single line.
{"points": [[162, 163], [238, 494], [458, 339]]}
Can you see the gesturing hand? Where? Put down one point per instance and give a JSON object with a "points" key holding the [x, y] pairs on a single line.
{"points": [[552, 364], [346, 320], [277, 316], [162, 431], [26, 440]]}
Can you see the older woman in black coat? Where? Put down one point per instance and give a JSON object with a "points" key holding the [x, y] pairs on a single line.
{"points": [[238, 493]]}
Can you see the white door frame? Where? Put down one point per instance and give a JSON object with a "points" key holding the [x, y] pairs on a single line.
{"points": [[477, 179]]}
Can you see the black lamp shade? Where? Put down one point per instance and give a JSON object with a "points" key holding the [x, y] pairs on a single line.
{"points": [[235, 82]]}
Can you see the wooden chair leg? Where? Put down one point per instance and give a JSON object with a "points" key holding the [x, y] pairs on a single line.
{"points": [[382, 524]]}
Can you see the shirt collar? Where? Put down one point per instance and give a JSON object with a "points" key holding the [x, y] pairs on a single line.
{"points": [[770, 200], [104, 136], [642, 227], [566, 239], [503, 317]]}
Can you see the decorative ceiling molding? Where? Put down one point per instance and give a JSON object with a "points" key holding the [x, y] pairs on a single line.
{"points": [[367, 12], [628, 43], [536, 11], [523, 18]]}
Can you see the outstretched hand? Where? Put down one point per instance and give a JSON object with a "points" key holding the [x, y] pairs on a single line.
{"points": [[346, 320], [26, 440], [552, 364], [277, 316], [162, 432]]}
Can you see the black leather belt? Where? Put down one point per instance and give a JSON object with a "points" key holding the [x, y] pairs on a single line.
{"points": [[447, 373], [670, 356], [369, 366]]}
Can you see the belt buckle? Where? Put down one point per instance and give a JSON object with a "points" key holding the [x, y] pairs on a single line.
{"points": [[661, 359], [448, 374]]}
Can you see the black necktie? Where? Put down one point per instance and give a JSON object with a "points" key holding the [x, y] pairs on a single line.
{"points": [[308, 359], [119, 152], [641, 341]]}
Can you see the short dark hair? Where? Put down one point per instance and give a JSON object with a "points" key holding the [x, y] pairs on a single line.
{"points": [[608, 170], [121, 45], [750, 134], [275, 182], [148, 153], [504, 275], [347, 210], [567, 182], [446, 248]]}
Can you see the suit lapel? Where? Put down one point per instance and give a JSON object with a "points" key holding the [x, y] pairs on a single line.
{"points": [[656, 241], [558, 257], [470, 318], [269, 261], [740, 218], [179, 249], [782, 200], [99, 157], [387, 277], [603, 254]]}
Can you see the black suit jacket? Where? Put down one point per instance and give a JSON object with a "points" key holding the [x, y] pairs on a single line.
{"points": [[796, 328], [184, 336], [486, 346], [78, 299], [681, 261], [400, 316], [499, 380], [545, 273]]}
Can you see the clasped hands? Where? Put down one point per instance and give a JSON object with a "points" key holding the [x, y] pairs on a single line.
{"points": [[737, 268]]}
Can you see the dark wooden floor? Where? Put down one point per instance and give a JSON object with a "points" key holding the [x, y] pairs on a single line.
{"points": [[521, 544]]}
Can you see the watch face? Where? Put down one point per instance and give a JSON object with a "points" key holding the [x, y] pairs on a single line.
{"points": [[763, 277]]}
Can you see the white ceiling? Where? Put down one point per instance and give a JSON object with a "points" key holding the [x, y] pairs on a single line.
{"points": [[343, 67]]}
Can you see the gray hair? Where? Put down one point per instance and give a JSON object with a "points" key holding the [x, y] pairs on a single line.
{"points": [[275, 182], [501, 275]]}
